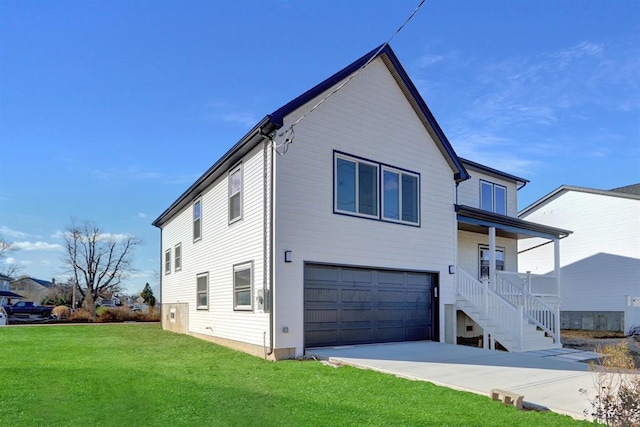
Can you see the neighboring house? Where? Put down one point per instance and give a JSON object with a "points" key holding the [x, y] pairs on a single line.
{"points": [[600, 263], [32, 289], [345, 230], [5, 291]]}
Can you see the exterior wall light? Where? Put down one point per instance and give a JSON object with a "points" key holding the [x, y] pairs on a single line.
{"points": [[288, 256]]}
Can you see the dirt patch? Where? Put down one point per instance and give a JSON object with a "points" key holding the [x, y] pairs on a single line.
{"points": [[594, 340]]}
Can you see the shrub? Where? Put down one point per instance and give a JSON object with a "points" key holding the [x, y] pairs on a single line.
{"points": [[618, 386], [61, 312], [81, 315]]}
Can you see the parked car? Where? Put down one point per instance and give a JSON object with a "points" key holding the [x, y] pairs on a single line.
{"points": [[29, 308], [135, 308]]}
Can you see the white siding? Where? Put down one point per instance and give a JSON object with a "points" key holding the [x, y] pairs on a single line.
{"points": [[469, 191], [370, 118], [221, 247], [600, 261]]}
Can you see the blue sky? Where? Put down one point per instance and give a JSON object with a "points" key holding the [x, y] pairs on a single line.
{"points": [[110, 109]]}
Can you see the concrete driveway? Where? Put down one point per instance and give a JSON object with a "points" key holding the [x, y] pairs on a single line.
{"points": [[548, 379]]}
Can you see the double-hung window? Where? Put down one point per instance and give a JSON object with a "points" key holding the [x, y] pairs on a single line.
{"points": [[167, 261], [235, 194], [374, 190], [493, 197], [177, 257], [202, 291], [197, 220], [400, 195], [242, 286]]}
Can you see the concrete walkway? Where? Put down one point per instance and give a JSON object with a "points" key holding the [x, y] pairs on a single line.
{"points": [[550, 379]]}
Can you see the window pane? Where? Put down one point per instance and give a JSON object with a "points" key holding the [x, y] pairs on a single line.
{"points": [[242, 278], [236, 182], [409, 198], [486, 196], [368, 189], [346, 185], [196, 229], [234, 207], [196, 210], [391, 195], [202, 300], [243, 298], [501, 199], [202, 283]]}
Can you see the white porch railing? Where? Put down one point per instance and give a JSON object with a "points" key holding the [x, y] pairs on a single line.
{"points": [[495, 308], [536, 284], [515, 289]]}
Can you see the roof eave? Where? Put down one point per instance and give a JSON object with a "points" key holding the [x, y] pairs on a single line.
{"points": [[250, 140]]}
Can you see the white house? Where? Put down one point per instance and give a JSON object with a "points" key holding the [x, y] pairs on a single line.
{"points": [[342, 226], [600, 262]]}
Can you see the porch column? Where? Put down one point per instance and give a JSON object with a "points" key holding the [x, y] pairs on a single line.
{"points": [[556, 263], [492, 258]]}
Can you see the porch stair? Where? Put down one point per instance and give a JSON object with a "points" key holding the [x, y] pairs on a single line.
{"points": [[508, 314]]}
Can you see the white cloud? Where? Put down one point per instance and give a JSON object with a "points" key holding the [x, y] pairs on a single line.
{"points": [[142, 215], [38, 246], [6, 231]]}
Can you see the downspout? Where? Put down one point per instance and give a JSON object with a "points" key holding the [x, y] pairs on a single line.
{"points": [[267, 234]]}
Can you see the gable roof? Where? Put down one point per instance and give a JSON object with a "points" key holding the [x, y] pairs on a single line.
{"points": [[275, 121], [628, 192], [44, 283]]}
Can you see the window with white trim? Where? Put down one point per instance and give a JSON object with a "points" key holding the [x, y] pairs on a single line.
{"points": [[197, 220], [235, 194], [202, 291], [493, 197], [242, 286], [484, 255], [177, 257], [167, 261], [374, 190]]}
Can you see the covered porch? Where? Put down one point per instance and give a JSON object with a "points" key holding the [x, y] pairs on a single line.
{"points": [[502, 300]]}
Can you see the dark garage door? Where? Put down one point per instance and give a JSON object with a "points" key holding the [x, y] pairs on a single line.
{"points": [[345, 305]]}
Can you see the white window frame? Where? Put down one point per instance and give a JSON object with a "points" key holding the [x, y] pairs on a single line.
{"points": [[357, 207], [167, 261], [493, 186], [197, 220], [177, 257], [237, 268], [204, 291], [239, 193], [400, 173]]}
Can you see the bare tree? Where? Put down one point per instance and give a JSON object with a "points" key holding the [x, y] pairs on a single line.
{"points": [[6, 247], [99, 262]]}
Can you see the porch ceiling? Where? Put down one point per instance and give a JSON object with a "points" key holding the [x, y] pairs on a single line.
{"points": [[479, 221]]}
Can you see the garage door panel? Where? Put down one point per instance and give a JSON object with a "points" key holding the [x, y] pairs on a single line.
{"points": [[366, 305], [357, 295], [329, 316], [320, 295], [361, 315]]}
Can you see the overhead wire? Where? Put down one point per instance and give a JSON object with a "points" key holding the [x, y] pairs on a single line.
{"points": [[290, 134]]}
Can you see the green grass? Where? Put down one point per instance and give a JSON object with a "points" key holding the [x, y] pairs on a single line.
{"points": [[138, 375]]}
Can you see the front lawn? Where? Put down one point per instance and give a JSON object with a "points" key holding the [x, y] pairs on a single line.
{"points": [[138, 374]]}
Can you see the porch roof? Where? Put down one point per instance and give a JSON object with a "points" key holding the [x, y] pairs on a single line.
{"points": [[478, 221]]}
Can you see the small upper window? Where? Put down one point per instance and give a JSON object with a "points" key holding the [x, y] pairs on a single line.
{"points": [[242, 287], [177, 257], [235, 194], [167, 261], [202, 291], [197, 220], [493, 197]]}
